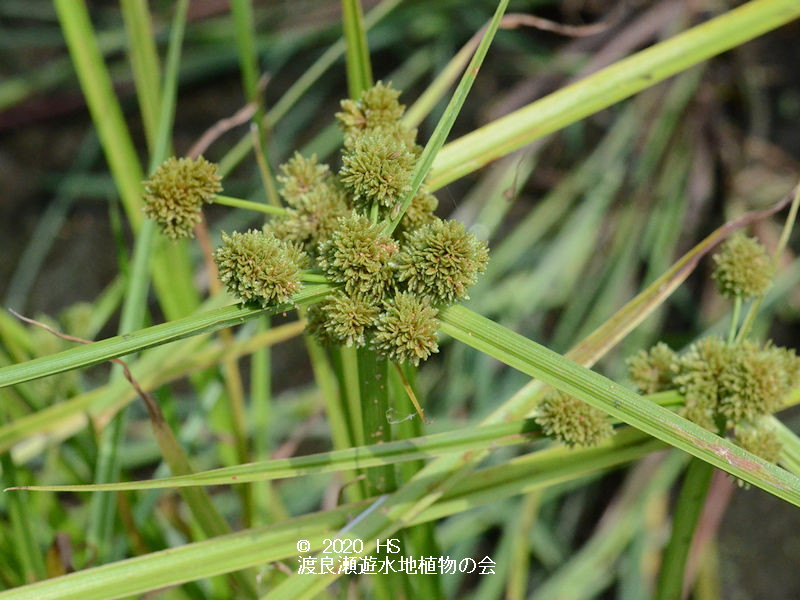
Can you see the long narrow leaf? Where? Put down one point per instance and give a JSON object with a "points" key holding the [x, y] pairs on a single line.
{"points": [[374, 455], [542, 363], [608, 86], [445, 124], [257, 547], [92, 354]]}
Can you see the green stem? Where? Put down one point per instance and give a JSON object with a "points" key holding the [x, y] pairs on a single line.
{"points": [[310, 277], [737, 310], [687, 514], [248, 205], [359, 69], [374, 390], [24, 525]]}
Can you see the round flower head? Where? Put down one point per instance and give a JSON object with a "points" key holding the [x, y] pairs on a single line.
{"points": [[377, 106], [761, 440], [406, 330], [441, 260], [377, 169], [315, 325], [347, 318], [175, 193], [257, 266], [357, 254], [299, 176], [571, 421], [754, 384], [742, 267], [652, 371], [313, 217], [420, 211], [698, 379]]}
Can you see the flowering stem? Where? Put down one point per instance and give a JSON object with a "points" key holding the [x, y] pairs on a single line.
{"points": [[687, 514], [737, 311], [311, 277], [248, 205]]}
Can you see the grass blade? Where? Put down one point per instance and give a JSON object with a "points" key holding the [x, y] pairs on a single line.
{"points": [[537, 361], [121, 345], [359, 68], [609, 86], [374, 455], [445, 124]]}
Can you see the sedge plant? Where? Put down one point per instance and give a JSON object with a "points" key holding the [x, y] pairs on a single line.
{"points": [[355, 246]]}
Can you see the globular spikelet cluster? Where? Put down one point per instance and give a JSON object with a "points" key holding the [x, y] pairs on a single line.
{"points": [[359, 256], [377, 109], [175, 193], [377, 170], [725, 386], [406, 329], [572, 421], [315, 201], [256, 266], [390, 284], [743, 267], [440, 261], [652, 370], [728, 387]]}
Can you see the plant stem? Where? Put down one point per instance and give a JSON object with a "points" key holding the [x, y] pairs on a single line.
{"points": [[248, 205], [687, 514], [374, 390], [359, 69], [737, 310]]}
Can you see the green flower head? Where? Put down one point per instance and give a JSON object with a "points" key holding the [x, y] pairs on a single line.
{"points": [[300, 176], [377, 169], [742, 267], [406, 330], [441, 260], [313, 217], [754, 383], [571, 421], [698, 379], [378, 106], [652, 371], [257, 266], [761, 440], [357, 254], [175, 193], [420, 211], [348, 318]]}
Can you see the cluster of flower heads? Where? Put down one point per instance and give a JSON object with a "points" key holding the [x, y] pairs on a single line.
{"points": [[727, 386], [390, 285]]}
